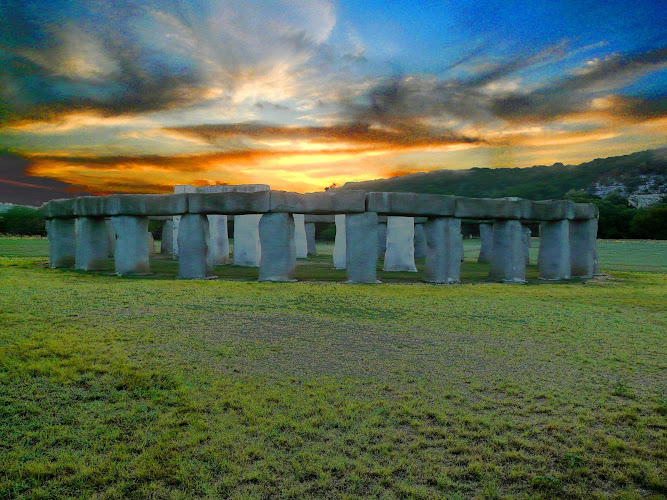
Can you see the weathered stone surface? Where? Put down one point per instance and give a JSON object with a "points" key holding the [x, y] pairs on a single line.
{"points": [[361, 252], [412, 204], [382, 238], [111, 234], [247, 247], [229, 188], [547, 210], [131, 255], [584, 211], [276, 232], [151, 244], [420, 242], [62, 242], [328, 219], [167, 242], [526, 238], [232, 203], [59, 209], [487, 208], [92, 244], [146, 204], [310, 238], [583, 234], [553, 259], [193, 251], [400, 253], [508, 262], [340, 246], [486, 241], [218, 245], [300, 236], [326, 202], [90, 206], [443, 250], [179, 189]]}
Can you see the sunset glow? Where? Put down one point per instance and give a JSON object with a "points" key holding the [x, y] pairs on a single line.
{"points": [[302, 95]]}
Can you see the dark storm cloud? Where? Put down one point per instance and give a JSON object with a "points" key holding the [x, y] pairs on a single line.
{"points": [[359, 133]]}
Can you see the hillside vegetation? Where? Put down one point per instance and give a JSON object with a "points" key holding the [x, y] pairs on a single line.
{"points": [[534, 183]]}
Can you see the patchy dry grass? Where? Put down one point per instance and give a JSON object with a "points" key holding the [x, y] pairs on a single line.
{"points": [[114, 387]]}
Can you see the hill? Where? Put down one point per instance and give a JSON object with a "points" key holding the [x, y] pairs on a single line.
{"points": [[636, 173]]}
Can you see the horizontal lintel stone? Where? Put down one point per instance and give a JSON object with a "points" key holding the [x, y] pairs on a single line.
{"points": [[229, 203], [584, 211], [146, 204], [487, 208], [59, 209], [548, 210], [411, 204], [327, 202]]}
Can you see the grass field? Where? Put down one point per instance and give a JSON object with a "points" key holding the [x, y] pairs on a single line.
{"points": [[156, 387]]}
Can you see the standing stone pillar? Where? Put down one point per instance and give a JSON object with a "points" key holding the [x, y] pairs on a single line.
{"points": [[131, 255], [218, 245], [300, 236], [400, 253], [526, 235], [508, 262], [177, 218], [361, 253], [92, 244], [553, 259], [193, 251], [583, 234], [62, 242], [276, 233], [596, 267], [443, 250], [151, 244], [111, 236], [340, 246], [247, 247], [382, 239], [486, 237], [167, 242], [310, 238], [420, 242]]}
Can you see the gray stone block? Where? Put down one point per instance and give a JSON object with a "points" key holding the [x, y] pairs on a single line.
{"points": [[361, 252], [146, 204], [247, 247], [400, 253], [443, 250], [487, 208], [548, 210], [420, 242], [151, 244], [584, 211], [382, 238], [508, 262], [92, 244], [327, 202], [111, 235], [62, 242], [131, 255], [193, 252], [340, 246], [412, 204], [276, 233], [90, 206], [230, 203], [218, 246], [486, 241], [583, 234], [59, 209], [310, 238], [327, 219], [300, 236], [526, 238], [229, 188], [553, 260], [167, 243]]}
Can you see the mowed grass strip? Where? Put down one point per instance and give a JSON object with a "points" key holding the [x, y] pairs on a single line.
{"points": [[114, 387]]}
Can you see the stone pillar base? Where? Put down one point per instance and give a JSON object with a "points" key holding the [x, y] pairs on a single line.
{"points": [[443, 250], [361, 252], [131, 255], [62, 242], [508, 262], [92, 244], [193, 251], [553, 259], [400, 253], [276, 233]]}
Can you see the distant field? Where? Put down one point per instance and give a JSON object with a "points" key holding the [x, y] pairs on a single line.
{"points": [[157, 387]]}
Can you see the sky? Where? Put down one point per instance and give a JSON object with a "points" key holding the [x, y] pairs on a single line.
{"points": [[110, 96]]}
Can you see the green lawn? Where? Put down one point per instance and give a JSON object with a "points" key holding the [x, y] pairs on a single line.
{"points": [[156, 387]]}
